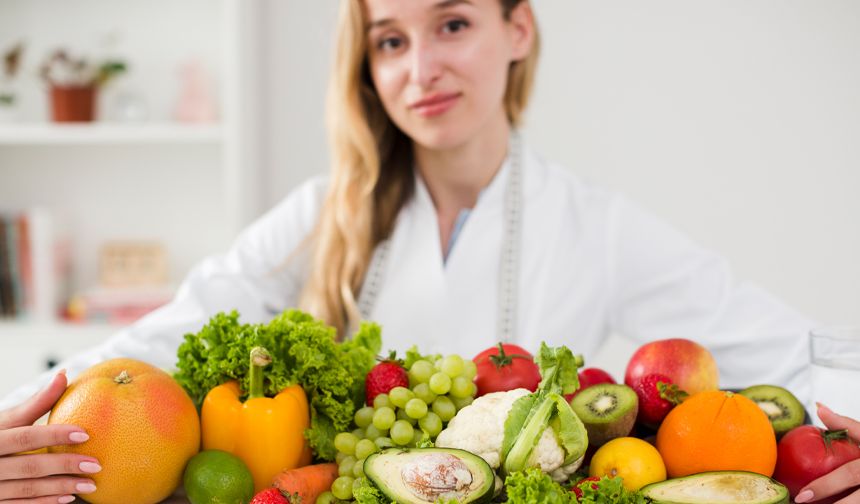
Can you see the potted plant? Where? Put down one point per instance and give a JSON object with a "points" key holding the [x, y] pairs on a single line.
{"points": [[8, 97], [73, 84]]}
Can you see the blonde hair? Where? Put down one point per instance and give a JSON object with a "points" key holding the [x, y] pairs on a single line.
{"points": [[371, 175]]}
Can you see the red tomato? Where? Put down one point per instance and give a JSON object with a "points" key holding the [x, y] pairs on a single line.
{"points": [[807, 452], [511, 369]]}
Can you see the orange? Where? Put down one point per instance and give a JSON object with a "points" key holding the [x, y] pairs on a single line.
{"points": [[717, 431], [142, 425], [636, 461]]}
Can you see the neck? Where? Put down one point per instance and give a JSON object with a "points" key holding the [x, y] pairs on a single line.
{"points": [[456, 176]]}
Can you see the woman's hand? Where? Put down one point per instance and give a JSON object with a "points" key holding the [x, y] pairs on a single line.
{"points": [[45, 477], [843, 478]]}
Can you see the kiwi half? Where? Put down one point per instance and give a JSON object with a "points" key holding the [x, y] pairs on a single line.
{"points": [[781, 407], [607, 410]]}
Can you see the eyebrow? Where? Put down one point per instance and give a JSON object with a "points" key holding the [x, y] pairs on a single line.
{"points": [[439, 6]]}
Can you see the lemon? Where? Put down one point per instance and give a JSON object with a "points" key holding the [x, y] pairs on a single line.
{"points": [[217, 477], [636, 461]]}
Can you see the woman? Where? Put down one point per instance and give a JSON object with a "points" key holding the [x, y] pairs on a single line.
{"points": [[440, 223]]}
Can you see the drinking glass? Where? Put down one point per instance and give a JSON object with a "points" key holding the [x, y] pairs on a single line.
{"points": [[835, 353]]}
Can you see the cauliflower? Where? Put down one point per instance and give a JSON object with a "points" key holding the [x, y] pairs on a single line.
{"points": [[480, 428]]}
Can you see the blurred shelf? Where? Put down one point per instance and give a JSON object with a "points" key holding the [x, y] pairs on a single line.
{"points": [[105, 133], [56, 330]]}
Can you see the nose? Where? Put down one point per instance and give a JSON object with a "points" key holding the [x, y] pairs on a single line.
{"points": [[426, 67]]}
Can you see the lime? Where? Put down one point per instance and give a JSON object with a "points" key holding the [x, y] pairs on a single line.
{"points": [[217, 477]]}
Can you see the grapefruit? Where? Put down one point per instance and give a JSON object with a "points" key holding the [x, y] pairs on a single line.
{"points": [[142, 425]]}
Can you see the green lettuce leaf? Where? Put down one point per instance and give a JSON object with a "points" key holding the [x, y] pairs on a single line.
{"points": [[533, 485]]}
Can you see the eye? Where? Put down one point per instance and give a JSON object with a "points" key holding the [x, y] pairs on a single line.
{"points": [[389, 43], [454, 25]]}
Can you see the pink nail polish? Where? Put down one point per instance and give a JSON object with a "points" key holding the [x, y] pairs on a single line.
{"points": [[85, 487], [90, 467], [66, 499], [804, 496], [78, 437]]}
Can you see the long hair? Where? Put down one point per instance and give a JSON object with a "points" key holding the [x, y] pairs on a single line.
{"points": [[371, 175]]}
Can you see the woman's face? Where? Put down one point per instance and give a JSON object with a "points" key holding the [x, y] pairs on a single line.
{"points": [[440, 67]]}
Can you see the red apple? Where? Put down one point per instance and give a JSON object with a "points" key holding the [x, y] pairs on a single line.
{"points": [[687, 363], [589, 377]]}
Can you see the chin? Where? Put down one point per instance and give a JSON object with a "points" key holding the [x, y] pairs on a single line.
{"points": [[440, 136]]}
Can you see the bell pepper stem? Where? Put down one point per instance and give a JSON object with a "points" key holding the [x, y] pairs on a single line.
{"points": [[260, 358]]}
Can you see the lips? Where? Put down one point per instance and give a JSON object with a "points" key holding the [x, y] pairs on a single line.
{"points": [[435, 104]]}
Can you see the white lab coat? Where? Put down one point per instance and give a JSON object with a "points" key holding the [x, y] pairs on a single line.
{"points": [[592, 264]]}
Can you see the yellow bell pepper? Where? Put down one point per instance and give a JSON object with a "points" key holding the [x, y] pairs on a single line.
{"points": [[266, 433]]}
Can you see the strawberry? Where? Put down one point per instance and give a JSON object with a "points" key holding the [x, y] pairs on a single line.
{"points": [[657, 396], [578, 491], [270, 496], [383, 377]]}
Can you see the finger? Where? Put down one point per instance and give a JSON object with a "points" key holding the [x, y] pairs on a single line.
{"points": [[854, 498], [835, 421], [33, 408], [22, 439], [842, 478], [48, 499], [38, 466], [53, 485]]}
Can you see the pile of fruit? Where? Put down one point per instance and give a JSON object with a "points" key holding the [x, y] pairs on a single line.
{"points": [[286, 414]]}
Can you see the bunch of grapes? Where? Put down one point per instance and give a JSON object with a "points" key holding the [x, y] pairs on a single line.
{"points": [[438, 388]]}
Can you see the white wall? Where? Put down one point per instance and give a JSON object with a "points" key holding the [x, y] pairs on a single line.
{"points": [[737, 121]]}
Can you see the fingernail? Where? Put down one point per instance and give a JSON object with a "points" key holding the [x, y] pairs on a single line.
{"points": [[62, 371], [85, 487], [90, 467], [823, 407], [66, 499], [78, 437], [804, 496]]}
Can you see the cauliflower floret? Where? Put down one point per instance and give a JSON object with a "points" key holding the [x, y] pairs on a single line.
{"points": [[480, 428]]}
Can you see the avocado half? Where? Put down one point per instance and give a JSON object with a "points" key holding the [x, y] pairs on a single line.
{"points": [[421, 475], [718, 487]]}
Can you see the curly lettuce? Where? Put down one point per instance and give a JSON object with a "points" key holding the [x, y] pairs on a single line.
{"points": [[304, 351]]}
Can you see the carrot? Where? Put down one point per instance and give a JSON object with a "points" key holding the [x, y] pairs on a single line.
{"points": [[306, 482]]}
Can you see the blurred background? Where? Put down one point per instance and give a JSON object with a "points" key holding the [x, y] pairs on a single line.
{"points": [[736, 121]]}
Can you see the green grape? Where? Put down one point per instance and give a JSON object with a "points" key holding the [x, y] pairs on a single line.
{"points": [[431, 423], [363, 416], [402, 432], [358, 468], [444, 407], [339, 456], [342, 487], [401, 415], [421, 371], [400, 396], [383, 443], [440, 383], [470, 369], [345, 467], [372, 432], [383, 418], [364, 448], [416, 408], [461, 387], [326, 498], [382, 400], [437, 364], [417, 437], [359, 433], [452, 365], [461, 403], [423, 392], [345, 442]]}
